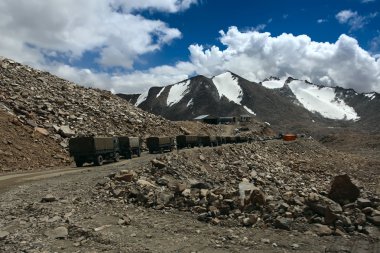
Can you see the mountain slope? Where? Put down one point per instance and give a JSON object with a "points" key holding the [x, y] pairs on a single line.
{"points": [[285, 101]]}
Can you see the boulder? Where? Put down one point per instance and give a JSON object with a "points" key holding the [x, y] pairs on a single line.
{"points": [[66, 132], [343, 190]]}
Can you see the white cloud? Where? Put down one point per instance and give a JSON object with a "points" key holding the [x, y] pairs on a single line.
{"points": [[321, 20], [367, 1], [353, 19], [70, 28], [161, 5], [257, 55]]}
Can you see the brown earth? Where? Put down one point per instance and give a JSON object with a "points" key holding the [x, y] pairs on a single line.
{"points": [[22, 148], [97, 224]]}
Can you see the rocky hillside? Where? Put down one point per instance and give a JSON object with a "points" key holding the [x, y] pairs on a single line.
{"points": [[59, 109], [280, 102], [298, 185]]}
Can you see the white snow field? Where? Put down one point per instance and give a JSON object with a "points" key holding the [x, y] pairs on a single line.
{"points": [[177, 92], [322, 100], [143, 96], [228, 86], [275, 84]]}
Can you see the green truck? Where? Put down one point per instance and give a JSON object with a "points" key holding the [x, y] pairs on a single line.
{"points": [[187, 141], [94, 150], [159, 144], [129, 146]]}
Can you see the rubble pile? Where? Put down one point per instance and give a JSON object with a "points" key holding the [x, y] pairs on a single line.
{"points": [[56, 108], [65, 109], [23, 148], [297, 185]]}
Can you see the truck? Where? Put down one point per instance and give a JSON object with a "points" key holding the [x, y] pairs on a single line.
{"points": [[208, 140], [159, 144], [129, 146], [94, 150], [187, 141]]}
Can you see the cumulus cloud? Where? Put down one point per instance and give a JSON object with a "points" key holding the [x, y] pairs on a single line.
{"points": [[69, 28], [117, 35], [162, 5], [353, 19], [257, 55]]}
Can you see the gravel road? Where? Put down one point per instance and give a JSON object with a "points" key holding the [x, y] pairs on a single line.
{"points": [[60, 211]]}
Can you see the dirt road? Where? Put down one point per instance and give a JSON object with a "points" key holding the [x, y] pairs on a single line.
{"points": [[78, 220]]}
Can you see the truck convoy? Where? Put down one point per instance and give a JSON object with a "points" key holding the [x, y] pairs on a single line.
{"points": [[97, 149]]}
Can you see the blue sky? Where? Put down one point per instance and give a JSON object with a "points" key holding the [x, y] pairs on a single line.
{"points": [[130, 45], [201, 23]]}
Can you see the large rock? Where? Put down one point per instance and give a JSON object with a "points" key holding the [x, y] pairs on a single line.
{"points": [[323, 205], [343, 190], [251, 195], [65, 131]]}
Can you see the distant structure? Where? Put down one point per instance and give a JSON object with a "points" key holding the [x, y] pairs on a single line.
{"points": [[210, 119]]}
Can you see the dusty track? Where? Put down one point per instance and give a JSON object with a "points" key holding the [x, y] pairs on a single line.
{"points": [[93, 222]]}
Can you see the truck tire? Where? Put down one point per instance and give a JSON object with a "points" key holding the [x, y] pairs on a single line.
{"points": [[139, 152], [128, 155], [79, 163], [99, 160], [117, 157]]}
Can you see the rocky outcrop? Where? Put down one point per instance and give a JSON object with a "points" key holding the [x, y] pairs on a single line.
{"points": [[260, 184]]}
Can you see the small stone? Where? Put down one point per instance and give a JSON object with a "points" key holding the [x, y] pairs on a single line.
{"points": [[58, 233], [125, 175], [202, 158], [265, 240], [375, 220], [322, 230], [363, 203], [42, 131], [282, 223], [295, 246], [66, 132], [48, 198], [3, 235]]}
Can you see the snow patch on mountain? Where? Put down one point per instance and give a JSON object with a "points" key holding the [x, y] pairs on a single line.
{"points": [[274, 83], [322, 100], [142, 98], [227, 85], [370, 95], [249, 110], [159, 93], [177, 92], [190, 103]]}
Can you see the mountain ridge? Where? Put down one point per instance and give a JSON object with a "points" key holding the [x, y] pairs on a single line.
{"points": [[287, 101]]}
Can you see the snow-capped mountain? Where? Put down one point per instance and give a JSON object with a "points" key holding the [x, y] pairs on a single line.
{"points": [[275, 100]]}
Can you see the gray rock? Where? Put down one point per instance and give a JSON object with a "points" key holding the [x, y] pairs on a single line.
{"points": [[363, 203], [282, 223], [3, 235], [375, 220], [58, 233], [66, 131], [322, 230], [48, 198]]}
